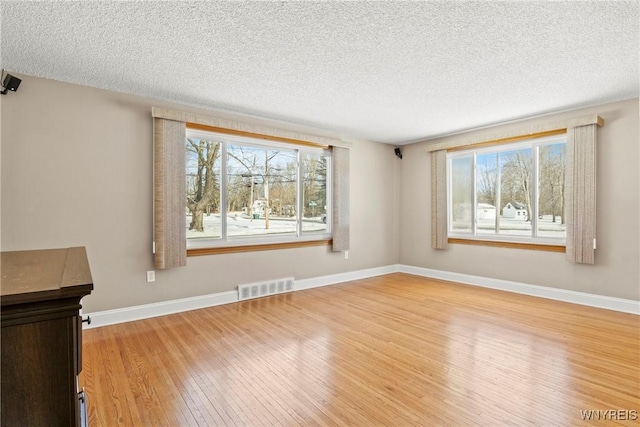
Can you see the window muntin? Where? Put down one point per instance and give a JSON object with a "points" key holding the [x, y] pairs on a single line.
{"points": [[517, 190], [264, 192]]}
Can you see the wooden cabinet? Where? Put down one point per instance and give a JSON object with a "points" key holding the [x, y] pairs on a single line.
{"points": [[41, 335]]}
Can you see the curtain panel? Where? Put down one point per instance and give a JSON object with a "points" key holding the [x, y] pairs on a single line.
{"points": [[169, 190], [439, 199], [580, 193], [340, 193]]}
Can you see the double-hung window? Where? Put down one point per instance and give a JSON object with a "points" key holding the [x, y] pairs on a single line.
{"points": [[512, 192], [247, 191]]}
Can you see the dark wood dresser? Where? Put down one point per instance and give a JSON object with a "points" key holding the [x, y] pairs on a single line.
{"points": [[41, 342]]}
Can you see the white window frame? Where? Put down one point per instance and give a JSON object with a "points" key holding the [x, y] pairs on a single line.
{"points": [[235, 241], [534, 144]]}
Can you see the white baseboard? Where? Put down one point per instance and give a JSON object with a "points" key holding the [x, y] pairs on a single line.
{"points": [[332, 279], [146, 311], [128, 314], [574, 297]]}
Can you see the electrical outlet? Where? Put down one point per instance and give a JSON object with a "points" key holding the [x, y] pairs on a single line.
{"points": [[346, 254], [151, 276]]}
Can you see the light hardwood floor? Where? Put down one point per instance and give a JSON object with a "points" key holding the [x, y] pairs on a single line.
{"points": [[392, 350]]}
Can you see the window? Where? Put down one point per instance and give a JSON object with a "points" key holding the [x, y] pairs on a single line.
{"points": [[321, 175], [577, 198], [244, 191], [509, 192]]}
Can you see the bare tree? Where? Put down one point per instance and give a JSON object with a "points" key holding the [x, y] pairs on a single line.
{"points": [[487, 183], [283, 189], [552, 171], [205, 190], [517, 171], [314, 184], [249, 162]]}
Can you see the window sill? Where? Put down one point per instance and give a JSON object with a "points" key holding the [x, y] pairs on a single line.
{"points": [[256, 247], [513, 245]]}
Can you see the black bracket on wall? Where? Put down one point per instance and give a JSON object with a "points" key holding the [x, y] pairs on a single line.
{"points": [[9, 83]]}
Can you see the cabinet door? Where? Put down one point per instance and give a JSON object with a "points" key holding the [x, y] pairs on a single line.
{"points": [[38, 374]]}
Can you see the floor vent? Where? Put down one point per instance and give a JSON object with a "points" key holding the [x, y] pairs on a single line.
{"points": [[261, 289]]}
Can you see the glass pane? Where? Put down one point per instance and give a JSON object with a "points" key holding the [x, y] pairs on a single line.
{"points": [[486, 188], [313, 168], [261, 191], [551, 220], [203, 188], [461, 194], [515, 192]]}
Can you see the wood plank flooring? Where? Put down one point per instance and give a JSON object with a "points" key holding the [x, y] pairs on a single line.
{"points": [[393, 350]]}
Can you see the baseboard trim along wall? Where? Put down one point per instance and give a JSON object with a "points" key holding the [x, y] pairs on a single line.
{"points": [[332, 279], [574, 297], [146, 311]]}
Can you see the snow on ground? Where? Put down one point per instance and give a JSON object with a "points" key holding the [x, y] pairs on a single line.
{"points": [[517, 227], [241, 225]]}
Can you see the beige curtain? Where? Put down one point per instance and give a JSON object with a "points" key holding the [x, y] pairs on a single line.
{"points": [[439, 199], [340, 195], [580, 193], [169, 190]]}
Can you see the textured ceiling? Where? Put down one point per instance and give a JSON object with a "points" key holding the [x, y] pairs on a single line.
{"points": [[391, 72]]}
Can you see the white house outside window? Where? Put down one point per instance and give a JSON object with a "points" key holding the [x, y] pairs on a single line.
{"points": [[508, 192]]}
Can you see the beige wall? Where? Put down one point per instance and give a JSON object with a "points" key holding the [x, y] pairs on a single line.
{"points": [[76, 171], [616, 272]]}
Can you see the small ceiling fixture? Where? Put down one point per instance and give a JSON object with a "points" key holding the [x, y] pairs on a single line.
{"points": [[9, 83]]}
